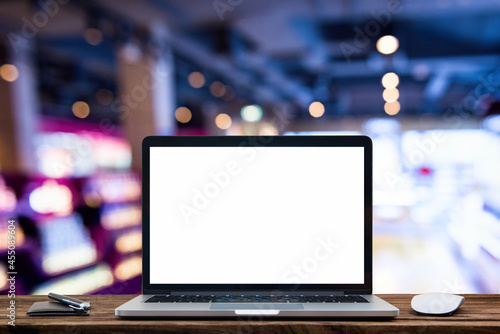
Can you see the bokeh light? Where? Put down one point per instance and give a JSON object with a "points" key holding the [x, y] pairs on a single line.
{"points": [[390, 94], [128, 268], [251, 113], [268, 129], [392, 108], [80, 109], [51, 197], [196, 79], [217, 89], [387, 44], [390, 80], [129, 242], [316, 109], [223, 121], [104, 96], [93, 36], [183, 114], [9, 72]]}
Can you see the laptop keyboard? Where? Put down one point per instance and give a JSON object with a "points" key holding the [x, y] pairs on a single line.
{"points": [[254, 299]]}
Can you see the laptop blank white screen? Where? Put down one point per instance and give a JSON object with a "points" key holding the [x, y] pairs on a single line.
{"points": [[256, 215]]}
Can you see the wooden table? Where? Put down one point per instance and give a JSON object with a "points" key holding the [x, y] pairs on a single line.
{"points": [[478, 314]]}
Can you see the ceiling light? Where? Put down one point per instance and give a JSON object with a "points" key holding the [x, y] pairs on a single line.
{"points": [[251, 113], [392, 108], [390, 94], [217, 89], [316, 109], [196, 79], [390, 80], [223, 121], [9, 72], [80, 109], [387, 44], [183, 115], [104, 96], [93, 36]]}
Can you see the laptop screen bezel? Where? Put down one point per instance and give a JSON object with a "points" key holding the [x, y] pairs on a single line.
{"points": [[258, 141]]}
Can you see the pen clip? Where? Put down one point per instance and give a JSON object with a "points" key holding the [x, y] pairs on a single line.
{"points": [[81, 309]]}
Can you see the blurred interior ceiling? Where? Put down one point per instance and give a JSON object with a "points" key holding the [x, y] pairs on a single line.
{"points": [[299, 51]]}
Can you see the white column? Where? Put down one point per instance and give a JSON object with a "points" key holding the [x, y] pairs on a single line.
{"points": [[146, 100], [20, 113]]}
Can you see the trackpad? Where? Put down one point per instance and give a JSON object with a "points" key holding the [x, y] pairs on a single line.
{"points": [[255, 306]]}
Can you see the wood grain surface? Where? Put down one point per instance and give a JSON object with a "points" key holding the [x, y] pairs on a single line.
{"points": [[478, 314]]}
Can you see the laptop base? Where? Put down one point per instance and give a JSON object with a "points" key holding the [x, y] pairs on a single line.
{"points": [[137, 308]]}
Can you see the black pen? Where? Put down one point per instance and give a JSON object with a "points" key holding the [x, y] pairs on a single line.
{"points": [[74, 303]]}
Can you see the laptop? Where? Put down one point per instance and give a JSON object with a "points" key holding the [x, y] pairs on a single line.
{"points": [[267, 226]]}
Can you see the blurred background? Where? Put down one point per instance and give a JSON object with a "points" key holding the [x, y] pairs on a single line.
{"points": [[82, 82]]}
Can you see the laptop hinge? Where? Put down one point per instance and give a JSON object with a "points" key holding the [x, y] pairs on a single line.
{"points": [[338, 293], [262, 293]]}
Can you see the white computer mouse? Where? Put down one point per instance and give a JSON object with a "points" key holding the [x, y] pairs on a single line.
{"points": [[436, 303]]}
